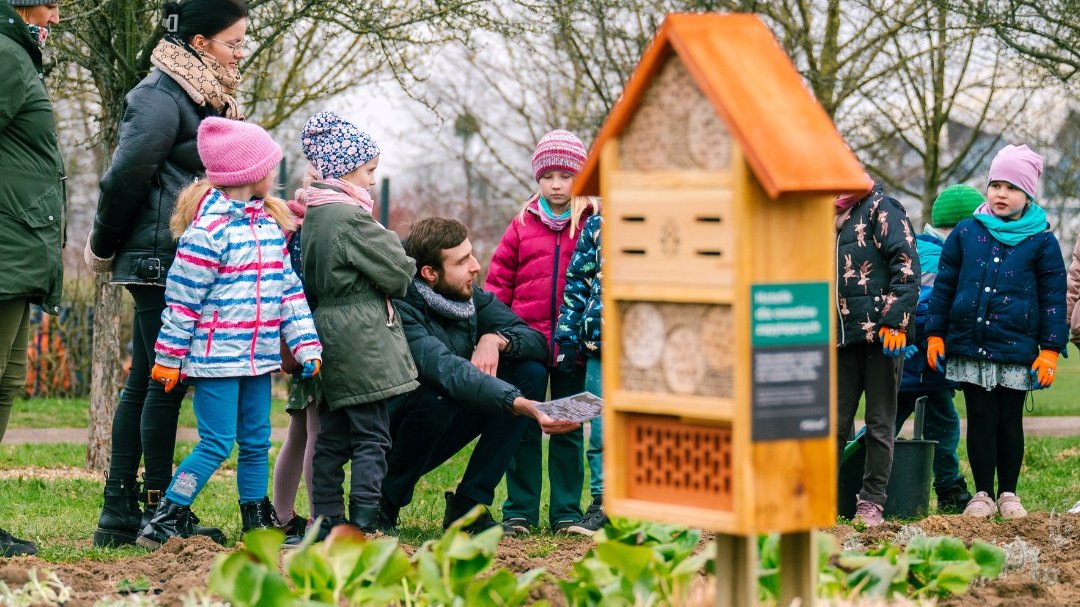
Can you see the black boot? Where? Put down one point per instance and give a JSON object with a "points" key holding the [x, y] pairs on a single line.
{"points": [[258, 514], [327, 524], [151, 498], [386, 519], [170, 520], [953, 499], [13, 546], [294, 529], [364, 516], [458, 506], [121, 517]]}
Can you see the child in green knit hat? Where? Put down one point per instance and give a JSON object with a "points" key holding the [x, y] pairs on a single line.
{"points": [[942, 424]]}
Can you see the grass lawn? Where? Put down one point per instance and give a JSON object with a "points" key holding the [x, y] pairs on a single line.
{"points": [[60, 514], [75, 413]]}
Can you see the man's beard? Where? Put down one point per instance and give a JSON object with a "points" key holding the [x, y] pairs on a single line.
{"points": [[450, 292]]}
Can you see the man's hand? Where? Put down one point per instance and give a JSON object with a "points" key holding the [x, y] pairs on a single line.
{"points": [[524, 406], [486, 355]]}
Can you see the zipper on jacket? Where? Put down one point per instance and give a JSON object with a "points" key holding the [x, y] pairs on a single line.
{"points": [[554, 304], [258, 290], [210, 334], [839, 314]]}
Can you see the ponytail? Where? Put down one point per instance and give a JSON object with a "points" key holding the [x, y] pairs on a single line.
{"points": [[189, 18]]}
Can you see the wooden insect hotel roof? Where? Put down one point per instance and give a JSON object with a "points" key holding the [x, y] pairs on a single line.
{"points": [[788, 140]]}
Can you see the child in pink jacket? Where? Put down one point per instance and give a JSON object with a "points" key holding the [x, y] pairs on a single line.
{"points": [[528, 273]]}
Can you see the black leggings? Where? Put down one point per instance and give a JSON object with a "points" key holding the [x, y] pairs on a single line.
{"points": [[995, 436], [144, 425]]}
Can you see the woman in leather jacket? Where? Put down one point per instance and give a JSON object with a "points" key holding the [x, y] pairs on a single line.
{"points": [[196, 76]]}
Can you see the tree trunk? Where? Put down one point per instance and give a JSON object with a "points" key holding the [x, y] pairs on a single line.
{"points": [[106, 376]]}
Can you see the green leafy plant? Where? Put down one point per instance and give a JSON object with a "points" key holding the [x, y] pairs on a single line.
{"points": [[637, 564], [128, 586], [350, 569]]}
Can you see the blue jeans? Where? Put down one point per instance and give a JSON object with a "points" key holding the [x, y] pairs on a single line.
{"points": [[228, 410], [595, 453], [941, 424]]}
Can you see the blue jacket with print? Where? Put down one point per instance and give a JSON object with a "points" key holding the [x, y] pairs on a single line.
{"points": [[580, 315]]}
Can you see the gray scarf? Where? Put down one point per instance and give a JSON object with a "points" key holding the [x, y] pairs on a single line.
{"points": [[445, 307]]}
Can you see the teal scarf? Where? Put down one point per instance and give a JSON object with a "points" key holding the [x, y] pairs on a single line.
{"points": [[550, 219], [1011, 233]]}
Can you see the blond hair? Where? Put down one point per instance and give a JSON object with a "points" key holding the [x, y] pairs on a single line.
{"points": [[187, 206], [24, 12], [578, 204]]}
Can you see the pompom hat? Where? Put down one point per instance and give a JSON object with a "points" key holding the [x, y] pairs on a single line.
{"points": [[954, 204], [1018, 165], [334, 146], [559, 150], [236, 153]]}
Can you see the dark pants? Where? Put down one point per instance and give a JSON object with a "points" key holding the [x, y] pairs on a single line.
{"points": [[566, 468], [941, 424], [144, 424], [360, 433], [14, 335], [865, 368], [427, 429], [995, 436]]}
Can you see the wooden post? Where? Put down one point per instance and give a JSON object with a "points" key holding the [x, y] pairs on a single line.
{"points": [[736, 570], [798, 568]]}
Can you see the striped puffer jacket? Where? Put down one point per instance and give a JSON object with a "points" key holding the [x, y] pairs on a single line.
{"points": [[231, 293]]}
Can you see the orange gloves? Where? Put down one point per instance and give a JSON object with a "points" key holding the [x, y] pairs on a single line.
{"points": [[169, 376], [893, 341], [1042, 370], [935, 353], [311, 368]]}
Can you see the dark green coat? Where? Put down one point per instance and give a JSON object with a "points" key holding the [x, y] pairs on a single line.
{"points": [[443, 347], [32, 194], [351, 266]]}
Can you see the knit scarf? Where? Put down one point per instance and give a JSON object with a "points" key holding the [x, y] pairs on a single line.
{"points": [[449, 308], [343, 192], [557, 223], [201, 76], [1010, 233], [39, 34]]}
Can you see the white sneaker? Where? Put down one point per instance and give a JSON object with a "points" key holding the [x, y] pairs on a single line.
{"points": [[1075, 509]]}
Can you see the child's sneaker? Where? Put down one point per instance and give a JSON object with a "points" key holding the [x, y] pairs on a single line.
{"points": [[593, 521], [561, 527], [1010, 507], [1075, 509], [870, 513], [980, 506], [516, 527]]}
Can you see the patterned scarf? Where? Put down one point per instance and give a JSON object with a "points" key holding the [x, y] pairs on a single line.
{"points": [[201, 76], [449, 308], [557, 223], [39, 34]]}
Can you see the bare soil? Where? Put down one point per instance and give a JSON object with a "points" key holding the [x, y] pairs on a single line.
{"points": [[1042, 568]]}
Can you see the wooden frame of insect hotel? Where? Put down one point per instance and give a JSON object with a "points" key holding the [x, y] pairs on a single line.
{"points": [[717, 169]]}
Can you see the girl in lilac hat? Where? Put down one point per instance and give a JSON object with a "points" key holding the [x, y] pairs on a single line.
{"points": [[998, 321]]}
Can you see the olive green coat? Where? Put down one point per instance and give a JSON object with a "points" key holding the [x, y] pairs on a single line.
{"points": [[32, 194], [352, 265]]}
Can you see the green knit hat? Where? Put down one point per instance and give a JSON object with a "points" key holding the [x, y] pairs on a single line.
{"points": [[955, 203]]}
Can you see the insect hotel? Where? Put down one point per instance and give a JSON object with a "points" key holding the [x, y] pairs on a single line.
{"points": [[718, 170]]}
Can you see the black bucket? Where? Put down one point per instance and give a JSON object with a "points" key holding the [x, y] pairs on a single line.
{"points": [[909, 483]]}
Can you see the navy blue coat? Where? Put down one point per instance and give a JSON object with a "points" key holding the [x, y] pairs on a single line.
{"points": [[997, 302]]}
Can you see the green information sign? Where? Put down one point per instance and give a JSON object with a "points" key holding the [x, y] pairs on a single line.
{"points": [[790, 314], [790, 356]]}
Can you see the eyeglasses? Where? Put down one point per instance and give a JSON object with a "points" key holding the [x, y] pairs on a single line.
{"points": [[237, 49]]}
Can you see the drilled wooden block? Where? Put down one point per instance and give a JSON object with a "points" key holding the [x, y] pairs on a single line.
{"points": [[677, 348], [675, 127], [676, 462]]}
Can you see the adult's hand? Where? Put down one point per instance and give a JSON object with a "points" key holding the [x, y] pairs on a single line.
{"points": [[486, 354], [524, 406]]}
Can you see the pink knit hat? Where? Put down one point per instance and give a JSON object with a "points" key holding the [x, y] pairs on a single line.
{"points": [[559, 150], [1018, 165], [236, 153]]}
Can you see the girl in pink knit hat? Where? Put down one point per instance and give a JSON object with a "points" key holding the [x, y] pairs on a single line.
{"points": [[230, 294], [528, 273], [998, 321]]}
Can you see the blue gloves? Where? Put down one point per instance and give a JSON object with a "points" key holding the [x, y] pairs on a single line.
{"points": [[311, 368], [912, 350]]}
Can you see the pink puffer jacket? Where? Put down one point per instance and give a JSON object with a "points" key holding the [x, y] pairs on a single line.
{"points": [[528, 271]]}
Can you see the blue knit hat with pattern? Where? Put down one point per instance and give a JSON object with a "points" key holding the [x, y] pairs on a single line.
{"points": [[334, 146]]}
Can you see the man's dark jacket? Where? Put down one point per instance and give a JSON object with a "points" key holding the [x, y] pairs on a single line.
{"points": [[442, 348]]}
